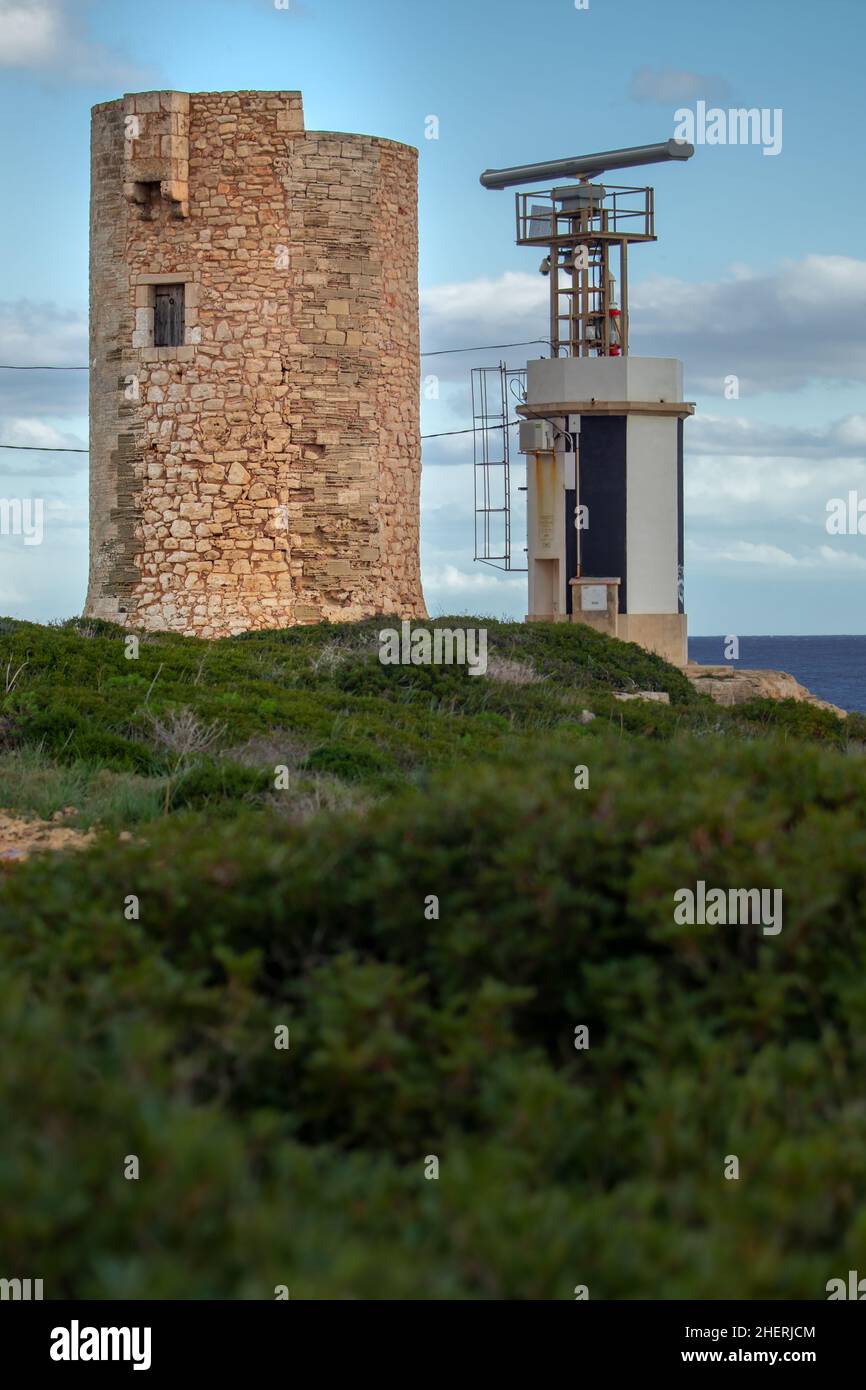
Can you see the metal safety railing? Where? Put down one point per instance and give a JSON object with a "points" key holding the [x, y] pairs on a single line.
{"points": [[593, 211]]}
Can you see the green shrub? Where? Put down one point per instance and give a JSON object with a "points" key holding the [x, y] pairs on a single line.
{"points": [[209, 781], [795, 717], [414, 1035], [855, 726], [351, 763], [420, 1030]]}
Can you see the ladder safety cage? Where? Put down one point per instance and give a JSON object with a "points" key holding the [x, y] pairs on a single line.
{"points": [[495, 393]]}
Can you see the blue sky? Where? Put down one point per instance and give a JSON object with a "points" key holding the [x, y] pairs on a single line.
{"points": [[759, 270]]}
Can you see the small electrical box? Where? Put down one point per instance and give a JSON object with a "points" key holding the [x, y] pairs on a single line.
{"points": [[536, 437], [593, 598]]}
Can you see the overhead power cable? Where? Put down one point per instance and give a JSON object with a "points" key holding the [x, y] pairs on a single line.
{"points": [[45, 449], [49, 449], [440, 352], [482, 428], [488, 347]]}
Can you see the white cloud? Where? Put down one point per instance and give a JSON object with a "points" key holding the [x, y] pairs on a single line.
{"points": [[449, 448], [34, 433], [746, 552], [28, 32], [42, 333], [488, 302], [448, 589], [506, 308], [735, 435], [750, 477], [852, 431], [775, 330], [10, 598], [449, 579], [34, 334], [452, 582], [50, 37], [39, 434], [818, 560], [841, 559], [673, 86]]}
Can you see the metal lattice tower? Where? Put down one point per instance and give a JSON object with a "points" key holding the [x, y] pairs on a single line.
{"points": [[586, 229]]}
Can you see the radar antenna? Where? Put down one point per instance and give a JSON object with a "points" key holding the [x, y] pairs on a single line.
{"points": [[581, 227]]}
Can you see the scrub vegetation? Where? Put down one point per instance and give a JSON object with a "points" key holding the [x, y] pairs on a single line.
{"points": [[394, 864]]}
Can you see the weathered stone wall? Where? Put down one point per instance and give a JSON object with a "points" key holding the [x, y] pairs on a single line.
{"points": [[266, 471]]}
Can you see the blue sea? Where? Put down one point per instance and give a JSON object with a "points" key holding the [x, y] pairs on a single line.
{"points": [[832, 667]]}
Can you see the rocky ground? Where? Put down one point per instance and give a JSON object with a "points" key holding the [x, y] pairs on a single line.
{"points": [[21, 838], [730, 685]]}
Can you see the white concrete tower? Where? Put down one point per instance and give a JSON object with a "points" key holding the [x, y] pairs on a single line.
{"points": [[602, 431]]}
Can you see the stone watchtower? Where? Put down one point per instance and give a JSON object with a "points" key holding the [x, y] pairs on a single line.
{"points": [[254, 367]]}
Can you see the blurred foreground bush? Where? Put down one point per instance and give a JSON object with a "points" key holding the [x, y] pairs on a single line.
{"points": [[413, 1035]]}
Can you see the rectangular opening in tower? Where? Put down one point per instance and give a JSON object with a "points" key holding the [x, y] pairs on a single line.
{"points": [[168, 316]]}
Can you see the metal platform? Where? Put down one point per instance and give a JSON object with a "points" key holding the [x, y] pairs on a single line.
{"points": [[571, 215]]}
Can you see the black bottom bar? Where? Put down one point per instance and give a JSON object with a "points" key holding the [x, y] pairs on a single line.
{"points": [[366, 1338]]}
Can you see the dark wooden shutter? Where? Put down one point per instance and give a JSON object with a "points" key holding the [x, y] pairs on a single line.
{"points": [[168, 316]]}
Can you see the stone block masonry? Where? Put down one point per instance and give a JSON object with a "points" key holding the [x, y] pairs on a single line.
{"points": [[262, 469]]}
